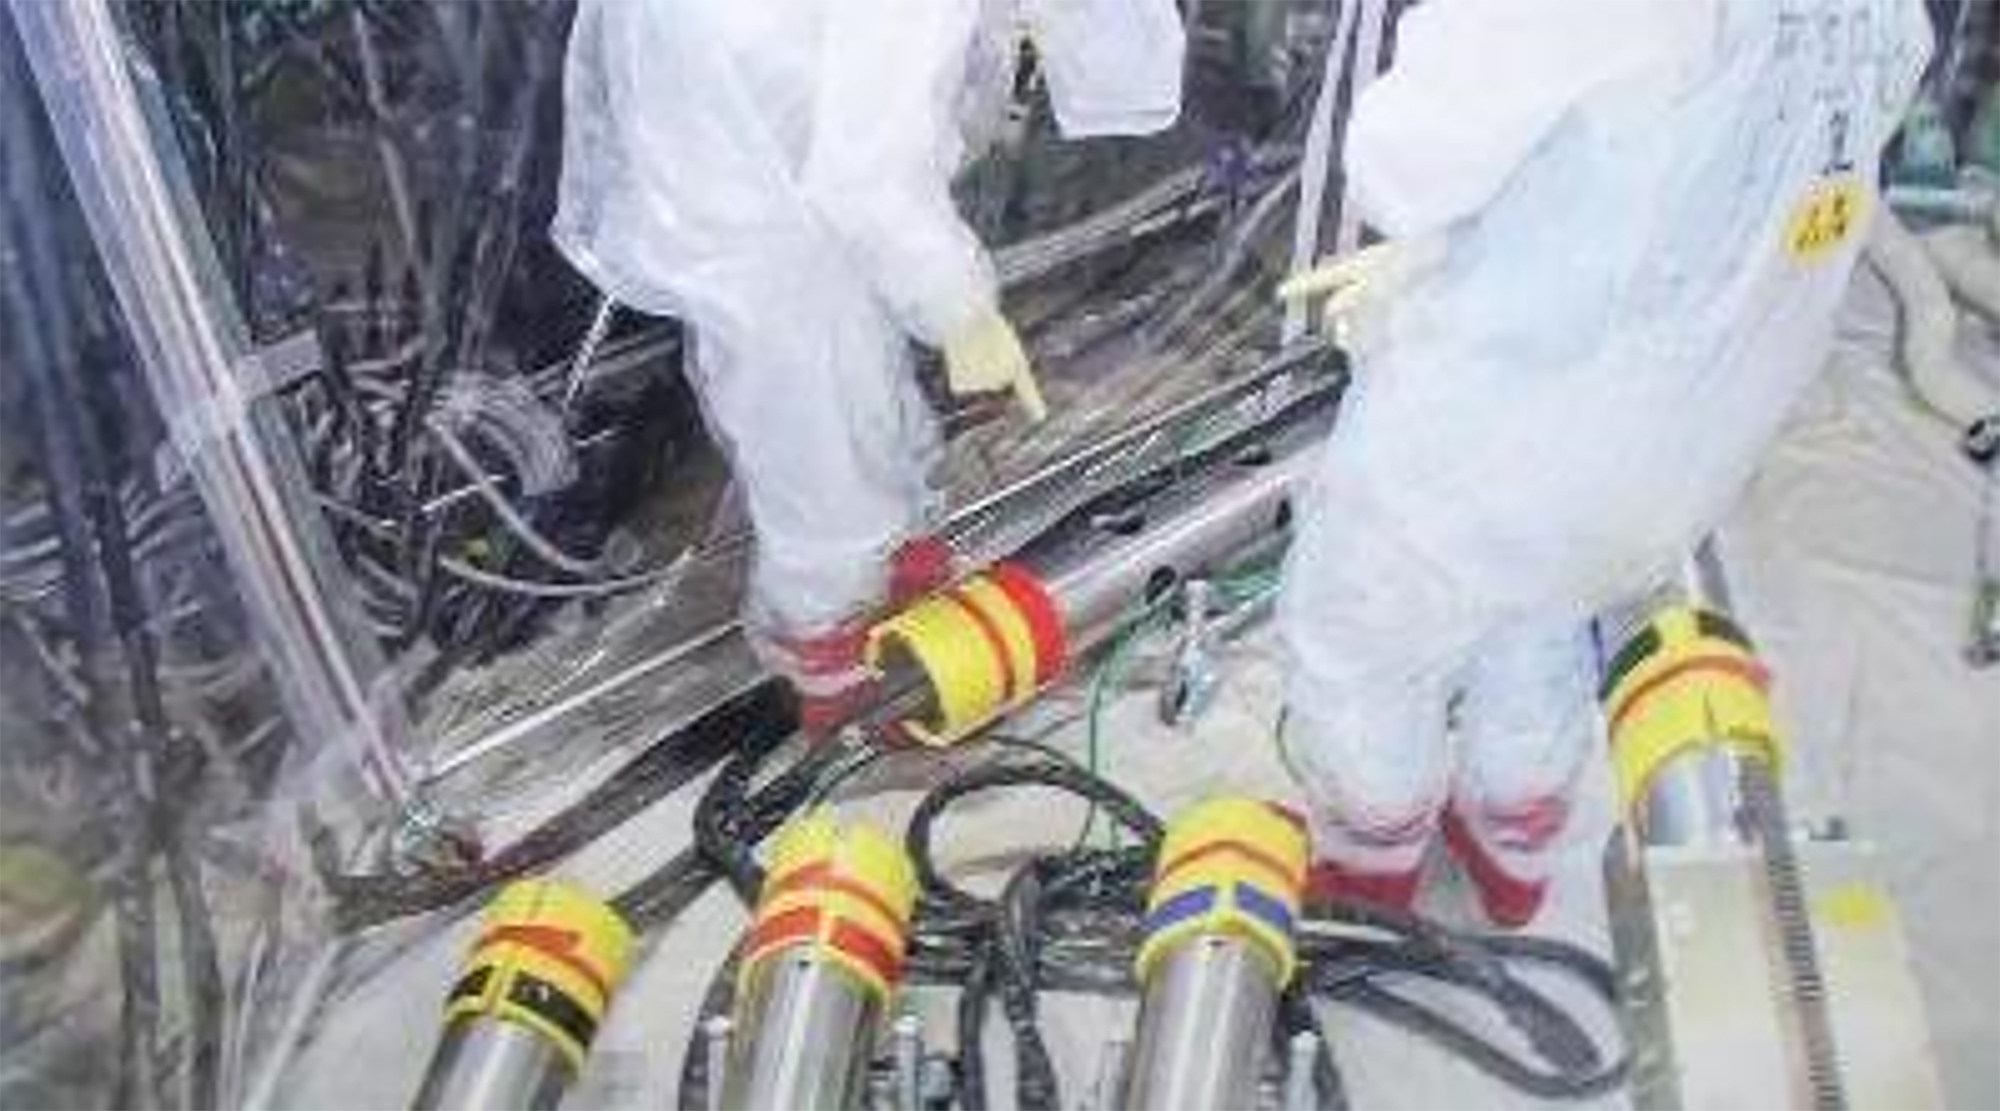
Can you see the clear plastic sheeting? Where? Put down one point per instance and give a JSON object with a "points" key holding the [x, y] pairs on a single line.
{"points": [[190, 344], [379, 182], [154, 787]]}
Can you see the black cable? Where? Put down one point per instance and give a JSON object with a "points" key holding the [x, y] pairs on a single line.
{"points": [[38, 320], [973, 1000], [1295, 1017], [1351, 970], [751, 718], [1070, 919], [730, 821], [718, 1000], [1003, 937], [1122, 808]]}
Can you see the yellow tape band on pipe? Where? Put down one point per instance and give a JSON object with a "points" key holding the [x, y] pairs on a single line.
{"points": [[1689, 679], [980, 651], [548, 958]]}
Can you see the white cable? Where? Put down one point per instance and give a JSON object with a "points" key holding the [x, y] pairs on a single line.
{"points": [[490, 493], [530, 588]]}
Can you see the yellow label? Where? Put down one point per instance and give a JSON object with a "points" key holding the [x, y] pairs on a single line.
{"points": [[1854, 906], [1825, 217]]}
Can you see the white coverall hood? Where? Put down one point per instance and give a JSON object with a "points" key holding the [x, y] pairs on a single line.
{"points": [[777, 174], [1648, 214]]}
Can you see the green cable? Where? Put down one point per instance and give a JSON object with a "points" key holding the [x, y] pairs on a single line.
{"points": [[1140, 620], [1241, 588]]}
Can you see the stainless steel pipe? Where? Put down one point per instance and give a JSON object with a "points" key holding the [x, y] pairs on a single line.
{"points": [[1218, 950], [534, 990], [483, 1065], [821, 962], [804, 1037], [1203, 1026]]}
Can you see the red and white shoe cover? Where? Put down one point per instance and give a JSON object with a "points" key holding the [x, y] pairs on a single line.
{"points": [[1329, 881], [828, 672], [1505, 854], [921, 565], [828, 669], [1377, 862]]}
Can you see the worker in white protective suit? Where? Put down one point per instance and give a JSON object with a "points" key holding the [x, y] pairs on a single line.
{"points": [[1618, 232], [776, 174]]}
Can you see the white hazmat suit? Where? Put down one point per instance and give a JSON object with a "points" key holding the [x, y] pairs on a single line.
{"points": [[1638, 217], [776, 174]]}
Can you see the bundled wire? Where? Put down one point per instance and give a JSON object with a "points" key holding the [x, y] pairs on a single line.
{"points": [[1069, 919]]}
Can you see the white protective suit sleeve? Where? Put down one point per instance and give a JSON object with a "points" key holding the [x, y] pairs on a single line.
{"points": [[884, 147], [1477, 84], [885, 144]]}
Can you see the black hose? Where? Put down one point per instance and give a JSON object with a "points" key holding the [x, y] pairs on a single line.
{"points": [[1002, 939], [1122, 807]]}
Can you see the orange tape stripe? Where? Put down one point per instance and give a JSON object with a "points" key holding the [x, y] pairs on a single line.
{"points": [[1262, 859], [863, 946], [797, 924], [994, 641], [820, 876], [1750, 671], [553, 942]]}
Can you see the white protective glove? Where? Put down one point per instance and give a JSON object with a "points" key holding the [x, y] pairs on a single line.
{"points": [[986, 356]]}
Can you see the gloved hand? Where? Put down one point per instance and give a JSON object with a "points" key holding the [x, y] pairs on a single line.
{"points": [[1353, 285], [986, 355]]}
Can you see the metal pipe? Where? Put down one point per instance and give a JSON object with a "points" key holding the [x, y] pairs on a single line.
{"points": [[536, 987], [820, 963], [1295, 381], [493, 1064], [1217, 952], [1112, 1066], [804, 1037], [1202, 1025], [1096, 572], [1301, 1055], [1695, 751], [1300, 374], [984, 647], [717, 1035], [1694, 799], [1694, 796], [909, 1036]]}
